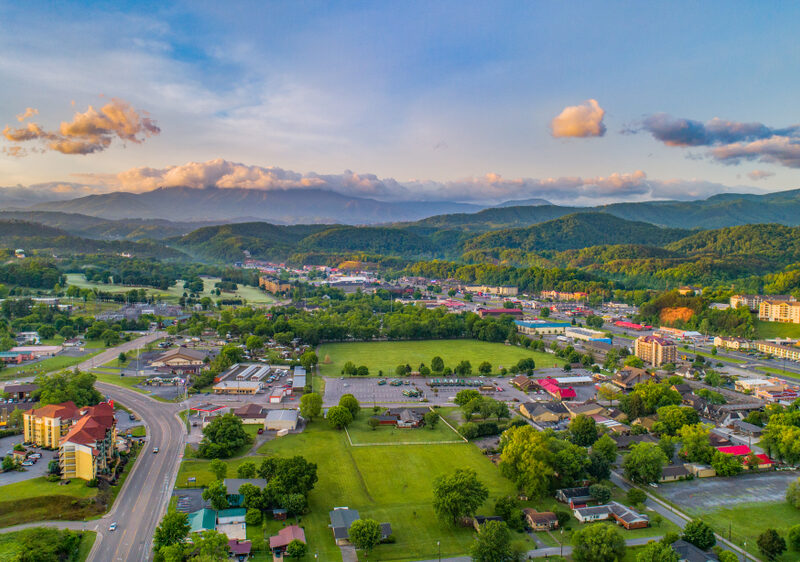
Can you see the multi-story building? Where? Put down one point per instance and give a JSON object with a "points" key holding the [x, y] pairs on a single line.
{"points": [[273, 285], [731, 343], [89, 447], [45, 426], [779, 311], [500, 290], [753, 302], [791, 352], [655, 350]]}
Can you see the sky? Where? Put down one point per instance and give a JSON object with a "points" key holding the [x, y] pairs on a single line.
{"points": [[578, 102]]}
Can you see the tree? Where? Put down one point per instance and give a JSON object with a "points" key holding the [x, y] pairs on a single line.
{"points": [[373, 423], [110, 338], [253, 516], [44, 544], [667, 445], [771, 544], [296, 549], [458, 494], [599, 467], [437, 364], [696, 444], [253, 497], [527, 460], [211, 545], [463, 368], [339, 417], [644, 463], [793, 493], [365, 534], [794, 537], [544, 312], [8, 463], [634, 361], [310, 405], [308, 360], [727, 556], [293, 475], [294, 504], [65, 386], [246, 470], [700, 534], [349, 401], [217, 495], [431, 419], [223, 437], [605, 447], [254, 343], [492, 543], [362, 371], [466, 396], [657, 551], [485, 368], [219, 469], [583, 430], [509, 509], [121, 358], [172, 530], [597, 543], [349, 368], [636, 496], [526, 365], [726, 465], [600, 493]]}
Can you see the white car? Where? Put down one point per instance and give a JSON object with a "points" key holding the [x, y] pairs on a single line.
{"points": [[155, 450], [653, 485], [113, 526]]}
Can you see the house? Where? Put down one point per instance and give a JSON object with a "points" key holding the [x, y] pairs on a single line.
{"points": [[89, 448], [682, 389], [279, 542], [628, 377], [20, 391], [586, 408], [281, 419], [479, 520], [687, 552], [646, 422], [574, 496], [625, 441], [240, 550], [181, 359], [232, 515], [623, 515], [402, 417], [544, 412], [540, 520], [251, 414], [233, 485], [202, 520], [743, 428], [673, 472], [342, 518], [524, 383]]}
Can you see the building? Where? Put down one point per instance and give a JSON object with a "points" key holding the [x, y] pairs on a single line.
{"points": [[574, 496], [537, 327], [342, 518], [500, 290], [181, 359], [576, 409], [402, 417], [779, 311], [687, 552], [540, 520], [585, 334], [251, 414], [15, 357], [673, 472], [298, 380], [524, 383], [753, 302], [237, 387], [544, 412], [37, 351], [790, 352], [631, 325], [623, 515], [752, 385], [89, 447], [20, 391], [231, 516], [45, 426], [497, 312], [202, 520], [564, 295], [239, 549], [743, 451], [731, 343], [279, 542], [281, 419], [628, 377], [552, 387], [273, 285], [655, 350]]}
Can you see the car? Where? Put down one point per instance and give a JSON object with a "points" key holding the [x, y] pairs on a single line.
{"points": [[35, 456], [260, 430], [27, 463], [113, 526], [653, 485], [132, 417], [155, 450]]}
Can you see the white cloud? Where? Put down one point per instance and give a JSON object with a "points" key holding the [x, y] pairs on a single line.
{"points": [[585, 120], [760, 175]]}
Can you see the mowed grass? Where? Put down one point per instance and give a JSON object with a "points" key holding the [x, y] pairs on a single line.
{"points": [[10, 548], [55, 363], [39, 500], [769, 330], [388, 484], [253, 295], [361, 432], [748, 520], [386, 356]]}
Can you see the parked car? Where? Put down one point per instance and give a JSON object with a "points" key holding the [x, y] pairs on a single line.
{"points": [[260, 430], [35, 456], [27, 463]]}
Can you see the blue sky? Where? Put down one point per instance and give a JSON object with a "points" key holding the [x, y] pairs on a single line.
{"points": [[419, 99]]}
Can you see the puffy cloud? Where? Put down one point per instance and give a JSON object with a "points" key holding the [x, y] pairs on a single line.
{"points": [[585, 120], [88, 132], [760, 175], [29, 112]]}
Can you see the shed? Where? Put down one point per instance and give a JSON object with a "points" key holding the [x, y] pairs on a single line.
{"points": [[281, 419], [229, 516]]}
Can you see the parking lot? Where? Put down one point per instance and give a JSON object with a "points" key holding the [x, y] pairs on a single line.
{"points": [[703, 494], [38, 469]]}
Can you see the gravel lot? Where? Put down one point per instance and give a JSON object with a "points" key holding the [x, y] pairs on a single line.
{"points": [[705, 494]]}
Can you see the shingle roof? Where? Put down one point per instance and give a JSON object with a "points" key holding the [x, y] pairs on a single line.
{"points": [[287, 535], [65, 410]]}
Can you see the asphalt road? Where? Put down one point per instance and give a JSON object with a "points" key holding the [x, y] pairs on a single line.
{"points": [[144, 498]]}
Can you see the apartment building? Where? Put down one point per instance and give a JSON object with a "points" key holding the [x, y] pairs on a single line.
{"points": [[655, 350], [45, 426], [499, 290], [779, 311], [791, 352], [731, 343], [89, 447], [753, 302], [273, 285]]}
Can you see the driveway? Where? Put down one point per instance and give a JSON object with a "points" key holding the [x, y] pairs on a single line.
{"points": [[704, 494], [35, 471]]}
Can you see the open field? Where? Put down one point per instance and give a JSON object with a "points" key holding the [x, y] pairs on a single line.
{"points": [[386, 356], [361, 433], [9, 548], [55, 363], [389, 484], [39, 500], [253, 295], [769, 330]]}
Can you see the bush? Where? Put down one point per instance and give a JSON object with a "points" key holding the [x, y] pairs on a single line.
{"points": [[636, 496], [253, 517], [91, 483]]}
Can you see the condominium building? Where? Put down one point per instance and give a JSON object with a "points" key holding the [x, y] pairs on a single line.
{"points": [[89, 447], [753, 302], [731, 343], [791, 352], [655, 350], [779, 311], [500, 290], [45, 426]]}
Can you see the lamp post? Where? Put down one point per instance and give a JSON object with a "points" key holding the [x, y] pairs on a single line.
{"points": [[561, 543], [439, 547]]}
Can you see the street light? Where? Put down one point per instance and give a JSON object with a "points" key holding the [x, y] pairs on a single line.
{"points": [[439, 546], [561, 543]]}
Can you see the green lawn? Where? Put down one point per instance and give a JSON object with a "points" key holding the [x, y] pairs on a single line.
{"points": [[389, 484], [38, 500], [10, 548], [253, 295], [386, 356], [769, 330], [748, 520], [716, 358], [774, 371], [46, 365], [361, 432]]}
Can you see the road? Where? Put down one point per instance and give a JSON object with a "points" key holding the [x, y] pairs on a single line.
{"points": [[144, 498]]}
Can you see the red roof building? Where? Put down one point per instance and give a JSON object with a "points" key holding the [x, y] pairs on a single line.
{"points": [[287, 535], [551, 387]]}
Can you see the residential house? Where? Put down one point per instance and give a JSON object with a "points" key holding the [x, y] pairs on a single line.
{"points": [[574, 496], [628, 377], [402, 417], [240, 550], [281, 419], [341, 519], [279, 542], [673, 472], [544, 412], [583, 408], [20, 391], [623, 515], [687, 552], [479, 520], [540, 520], [625, 441], [524, 383], [45, 426]]}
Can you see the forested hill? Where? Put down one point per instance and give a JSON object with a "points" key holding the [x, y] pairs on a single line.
{"points": [[774, 241], [575, 231]]}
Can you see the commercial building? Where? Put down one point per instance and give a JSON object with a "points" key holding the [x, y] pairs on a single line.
{"points": [[791, 352], [273, 285], [779, 311], [497, 312], [237, 387], [181, 359], [89, 447], [731, 343], [37, 351], [500, 290], [585, 334], [536, 327], [281, 419], [655, 350], [298, 380], [251, 414]]}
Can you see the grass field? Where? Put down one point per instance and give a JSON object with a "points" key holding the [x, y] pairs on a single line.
{"points": [[253, 295], [46, 365], [10, 548], [362, 433], [386, 356], [769, 330], [389, 484], [774, 371], [39, 500]]}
